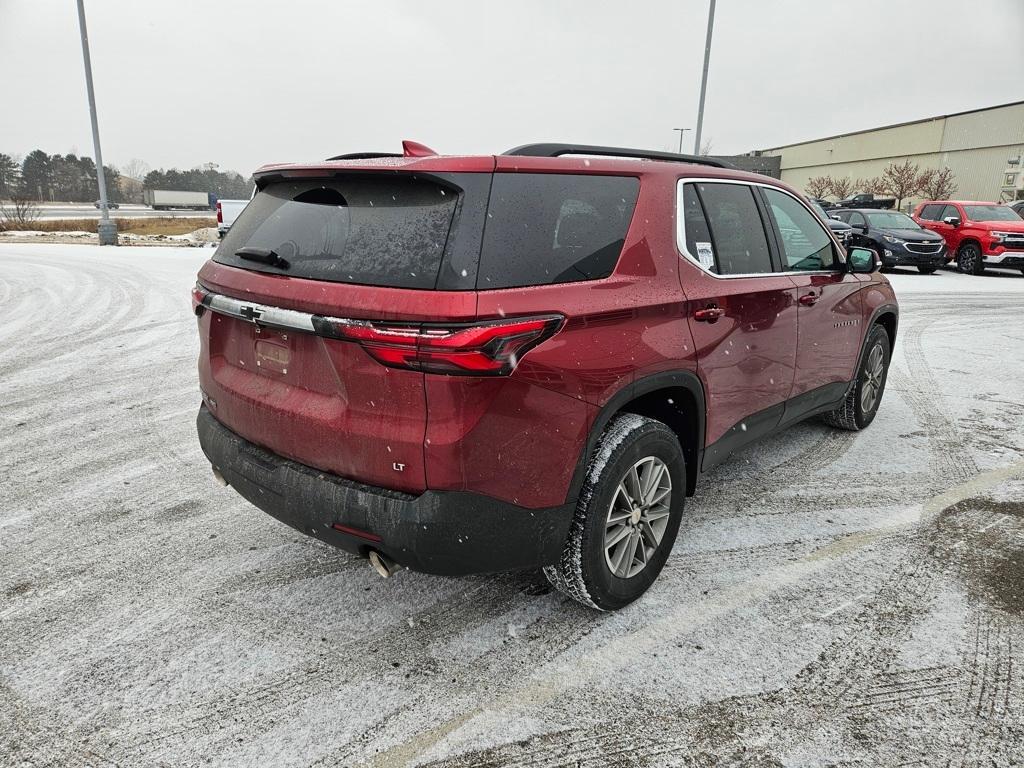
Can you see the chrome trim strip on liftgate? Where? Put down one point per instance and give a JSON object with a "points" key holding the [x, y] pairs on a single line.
{"points": [[259, 314]]}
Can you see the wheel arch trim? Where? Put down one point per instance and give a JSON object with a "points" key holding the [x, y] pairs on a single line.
{"points": [[685, 379]]}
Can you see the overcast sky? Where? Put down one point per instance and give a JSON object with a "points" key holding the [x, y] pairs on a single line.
{"points": [[241, 83]]}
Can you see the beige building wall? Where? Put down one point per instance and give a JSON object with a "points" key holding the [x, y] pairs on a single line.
{"points": [[974, 145]]}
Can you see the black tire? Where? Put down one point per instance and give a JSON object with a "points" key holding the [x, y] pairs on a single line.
{"points": [[584, 571], [855, 413], [927, 270], [968, 259]]}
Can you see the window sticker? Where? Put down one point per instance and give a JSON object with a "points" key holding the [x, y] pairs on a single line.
{"points": [[705, 255]]}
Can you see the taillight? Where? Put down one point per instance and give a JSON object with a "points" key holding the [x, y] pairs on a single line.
{"points": [[480, 349], [199, 295], [220, 214]]}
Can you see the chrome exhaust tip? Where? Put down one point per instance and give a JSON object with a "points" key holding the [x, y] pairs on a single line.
{"points": [[218, 476], [382, 564]]}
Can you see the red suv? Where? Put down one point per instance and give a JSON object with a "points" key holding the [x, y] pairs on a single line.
{"points": [[476, 364], [979, 234]]}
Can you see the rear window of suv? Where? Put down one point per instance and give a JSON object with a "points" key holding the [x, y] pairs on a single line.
{"points": [[545, 228], [373, 230]]}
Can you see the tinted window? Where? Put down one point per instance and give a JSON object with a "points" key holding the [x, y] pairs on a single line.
{"points": [[387, 231], [931, 211], [552, 228], [843, 216], [857, 220], [805, 243], [949, 210], [738, 241]]}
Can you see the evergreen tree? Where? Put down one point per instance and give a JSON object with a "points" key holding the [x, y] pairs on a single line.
{"points": [[8, 176], [35, 175]]}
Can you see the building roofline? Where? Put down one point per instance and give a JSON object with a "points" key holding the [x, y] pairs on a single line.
{"points": [[892, 125]]}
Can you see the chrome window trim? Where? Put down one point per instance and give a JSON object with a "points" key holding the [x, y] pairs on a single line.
{"points": [[681, 229]]}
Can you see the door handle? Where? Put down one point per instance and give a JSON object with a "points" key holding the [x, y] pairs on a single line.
{"points": [[709, 314], [809, 299]]}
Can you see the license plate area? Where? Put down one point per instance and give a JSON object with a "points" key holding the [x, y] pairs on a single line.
{"points": [[272, 350]]}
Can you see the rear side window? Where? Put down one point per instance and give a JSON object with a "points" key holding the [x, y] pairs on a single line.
{"points": [[931, 211], [806, 245], [698, 234], [373, 230], [545, 228], [738, 241]]}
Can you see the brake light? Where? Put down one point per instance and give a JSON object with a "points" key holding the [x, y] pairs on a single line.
{"points": [[220, 214], [481, 349], [199, 295]]}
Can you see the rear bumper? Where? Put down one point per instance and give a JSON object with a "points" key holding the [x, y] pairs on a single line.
{"points": [[443, 532]]}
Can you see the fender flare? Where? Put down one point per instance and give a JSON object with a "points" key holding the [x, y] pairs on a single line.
{"points": [[876, 315], [683, 378]]}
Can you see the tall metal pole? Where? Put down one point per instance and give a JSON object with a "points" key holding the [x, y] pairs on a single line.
{"points": [[703, 79], [681, 132], [107, 230]]}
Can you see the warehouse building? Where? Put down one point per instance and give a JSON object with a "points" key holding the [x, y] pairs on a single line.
{"points": [[979, 147]]}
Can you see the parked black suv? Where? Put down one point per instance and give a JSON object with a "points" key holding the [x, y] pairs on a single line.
{"points": [[897, 238]]}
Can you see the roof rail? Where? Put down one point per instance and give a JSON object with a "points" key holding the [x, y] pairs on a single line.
{"points": [[557, 150], [363, 155]]}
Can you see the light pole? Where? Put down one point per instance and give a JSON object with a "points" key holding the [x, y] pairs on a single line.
{"points": [[107, 230], [681, 132], [704, 79]]}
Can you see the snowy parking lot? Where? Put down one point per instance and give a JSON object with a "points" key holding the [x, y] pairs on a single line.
{"points": [[833, 598]]}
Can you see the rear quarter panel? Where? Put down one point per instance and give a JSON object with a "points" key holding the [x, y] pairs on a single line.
{"points": [[488, 435]]}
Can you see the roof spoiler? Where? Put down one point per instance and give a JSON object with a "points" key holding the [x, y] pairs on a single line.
{"points": [[409, 149], [557, 150]]}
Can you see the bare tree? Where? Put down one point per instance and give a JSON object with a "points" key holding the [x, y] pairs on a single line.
{"points": [[132, 174], [705, 148], [902, 180], [936, 184], [841, 187], [135, 168], [874, 185], [818, 186], [20, 214]]}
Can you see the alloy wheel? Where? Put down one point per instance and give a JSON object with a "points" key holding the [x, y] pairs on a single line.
{"points": [[967, 260], [637, 517], [871, 383]]}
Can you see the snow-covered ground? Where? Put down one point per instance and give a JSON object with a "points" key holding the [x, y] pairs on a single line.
{"points": [[833, 598]]}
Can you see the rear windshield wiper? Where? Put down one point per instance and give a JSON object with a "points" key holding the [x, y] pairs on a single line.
{"points": [[263, 256]]}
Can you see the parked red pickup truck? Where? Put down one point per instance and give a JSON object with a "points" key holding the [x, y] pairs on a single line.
{"points": [[979, 235]]}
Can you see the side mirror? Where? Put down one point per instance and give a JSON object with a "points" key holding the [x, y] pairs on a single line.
{"points": [[953, 221], [863, 261], [860, 227], [833, 216]]}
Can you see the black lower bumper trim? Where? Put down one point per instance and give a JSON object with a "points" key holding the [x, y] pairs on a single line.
{"points": [[443, 532]]}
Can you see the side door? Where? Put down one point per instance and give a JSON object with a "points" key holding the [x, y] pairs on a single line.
{"points": [[860, 229], [928, 215], [949, 233], [741, 309], [830, 323]]}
